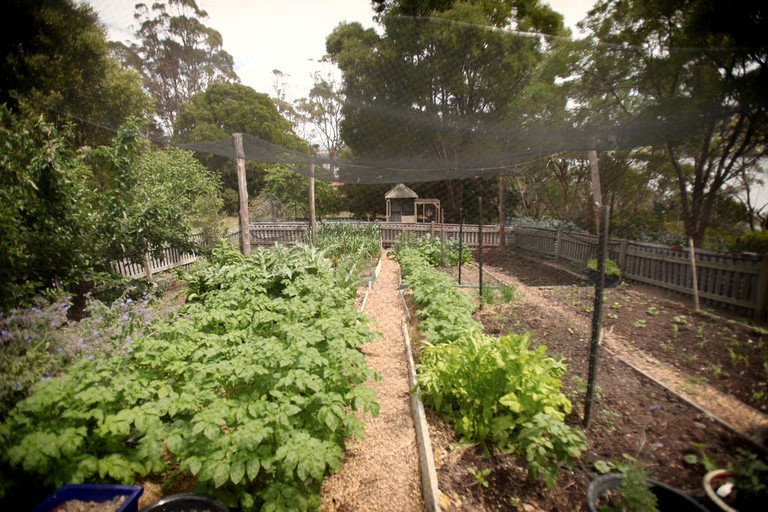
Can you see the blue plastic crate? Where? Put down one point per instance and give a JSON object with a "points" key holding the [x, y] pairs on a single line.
{"points": [[93, 492]]}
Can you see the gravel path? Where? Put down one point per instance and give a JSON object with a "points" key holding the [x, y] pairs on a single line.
{"points": [[381, 471]]}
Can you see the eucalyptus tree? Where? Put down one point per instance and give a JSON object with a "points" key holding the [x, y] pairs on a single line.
{"points": [[436, 77], [177, 55], [690, 76]]}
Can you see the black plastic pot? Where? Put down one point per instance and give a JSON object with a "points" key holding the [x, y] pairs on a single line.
{"points": [[669, 498], [186, 503]]}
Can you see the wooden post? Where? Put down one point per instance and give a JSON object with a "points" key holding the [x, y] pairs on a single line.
{"points": [[461, 238], [480, 251], [694, 277], [594, 344], [558, 244], [597, 193], [242, 189], [312, 220], [147, 267], [761, 304], [623, 246], [502, 207]]}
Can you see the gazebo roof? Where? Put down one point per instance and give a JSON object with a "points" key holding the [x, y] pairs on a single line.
{"points": [[400, 191]]}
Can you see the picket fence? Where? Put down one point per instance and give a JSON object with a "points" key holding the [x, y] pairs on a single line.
{"points": [[171, 258], [737, 282]]}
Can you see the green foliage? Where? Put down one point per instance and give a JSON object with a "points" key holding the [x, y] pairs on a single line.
{"points": [[48, 213], [341, 241], [754, 241], [751, 480], [291, 189], [221, 109], [444, 311], [251, 389], [56, 61], [634, 492], [177, 55], [611, 267], [502, 393], [435, 252], [498, 392]]}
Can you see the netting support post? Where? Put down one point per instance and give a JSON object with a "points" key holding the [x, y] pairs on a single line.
{"points": [[242, 190], [312, 220], [502, 207], [597, 309], [461, 238], [480, 251]]}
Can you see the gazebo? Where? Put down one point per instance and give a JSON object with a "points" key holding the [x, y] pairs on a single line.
{"points": [[404, 205]]}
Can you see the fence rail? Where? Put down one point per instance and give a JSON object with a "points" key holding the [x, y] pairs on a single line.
{"points": [[737, 282]]}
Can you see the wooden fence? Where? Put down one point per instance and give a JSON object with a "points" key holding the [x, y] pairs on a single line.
{"points": [[270, 233], [172, 258], [736, 282]]}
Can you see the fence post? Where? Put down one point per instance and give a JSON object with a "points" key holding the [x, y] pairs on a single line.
{"points": [[761, 303], [558, 244], [623, 254], [242, 192]]}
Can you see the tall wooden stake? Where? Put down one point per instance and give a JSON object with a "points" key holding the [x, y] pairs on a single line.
{"points": [[312, 222], [594, 343], [502, 207], [597, 193], [461, 238], [480, 250], [242, 189]]}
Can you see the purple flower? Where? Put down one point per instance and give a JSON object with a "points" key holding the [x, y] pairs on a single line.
{"points": [[654, 408]]}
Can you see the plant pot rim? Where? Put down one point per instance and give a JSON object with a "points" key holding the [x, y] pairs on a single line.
{"points": [[710, 490], [610, 481]]}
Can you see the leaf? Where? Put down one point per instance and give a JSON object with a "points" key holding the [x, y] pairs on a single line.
{"points": [[603, 467], [237, 472], [252, 466], [220, 473]]}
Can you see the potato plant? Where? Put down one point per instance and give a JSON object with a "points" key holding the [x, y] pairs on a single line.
{"points": [[251, 390]]}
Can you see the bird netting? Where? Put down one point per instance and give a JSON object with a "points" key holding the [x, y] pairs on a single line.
{"points": [[428, 99]]}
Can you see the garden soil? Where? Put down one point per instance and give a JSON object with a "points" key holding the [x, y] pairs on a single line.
{"points": [[675, 388]]}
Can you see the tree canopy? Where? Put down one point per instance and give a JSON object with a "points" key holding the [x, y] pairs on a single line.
{"points": [[690, 63], [177, 55], [54, 59], [227, 108]]}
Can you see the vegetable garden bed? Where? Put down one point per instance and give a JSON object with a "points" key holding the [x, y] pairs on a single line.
{"points": [[634, 416]]}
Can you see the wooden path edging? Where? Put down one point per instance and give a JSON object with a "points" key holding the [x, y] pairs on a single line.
{"points": [[430, 490]]}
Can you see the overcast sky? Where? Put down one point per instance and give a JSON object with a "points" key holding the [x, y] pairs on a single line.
{"points": [[287, 35]]}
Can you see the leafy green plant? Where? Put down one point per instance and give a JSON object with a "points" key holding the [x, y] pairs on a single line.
{"points": [[640, 324], [251, 389], [611, 267], [481, 476], [652, 311], [634, 492], [502, 393]]}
